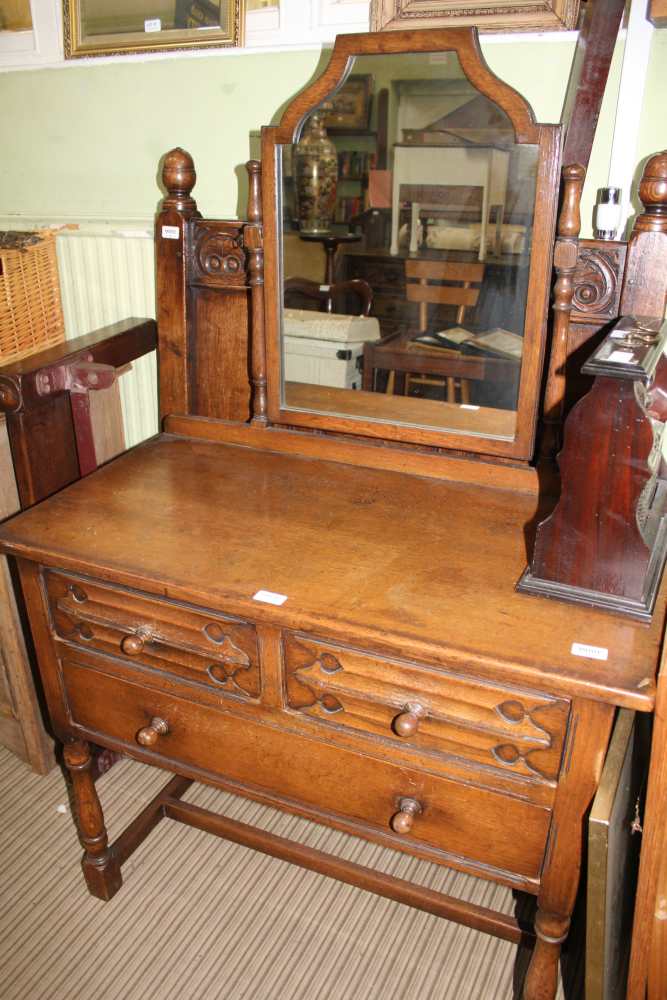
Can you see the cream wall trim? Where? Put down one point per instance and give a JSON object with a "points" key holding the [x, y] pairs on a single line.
{"points": [[40, 47], [623, 159]]}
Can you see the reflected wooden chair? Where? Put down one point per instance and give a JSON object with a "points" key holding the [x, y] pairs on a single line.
{"points": [[434, 282], [327, 295]]}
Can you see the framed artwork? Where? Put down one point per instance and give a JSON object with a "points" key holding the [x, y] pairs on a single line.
{"points": [[116, 27], [349, 110], [487, 15]]}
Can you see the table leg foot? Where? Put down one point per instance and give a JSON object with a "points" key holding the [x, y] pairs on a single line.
{"points": [[541, 980], [101, 871]]}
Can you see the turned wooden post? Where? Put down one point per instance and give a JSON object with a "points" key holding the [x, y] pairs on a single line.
{"points": [[565, 263], [644, 290], [100, 868], [254, 243], [171, 234]]}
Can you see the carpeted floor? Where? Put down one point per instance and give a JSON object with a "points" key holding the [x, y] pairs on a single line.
{"points": [[199, 918]]}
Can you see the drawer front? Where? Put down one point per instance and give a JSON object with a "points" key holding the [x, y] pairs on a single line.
{"points": [[196, 645], [474, 826], [432, 711]]}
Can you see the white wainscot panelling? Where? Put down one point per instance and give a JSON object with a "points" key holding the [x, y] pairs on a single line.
{"points": [[107, 273]]}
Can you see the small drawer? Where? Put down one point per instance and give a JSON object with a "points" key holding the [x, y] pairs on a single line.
{"points": [[414, 811], [194, 644], [431, 710]]}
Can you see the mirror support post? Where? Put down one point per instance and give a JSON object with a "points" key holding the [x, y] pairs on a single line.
{"points": [[565, 263], [254, 244]]}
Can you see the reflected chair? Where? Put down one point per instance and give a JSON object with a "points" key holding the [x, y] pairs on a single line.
{"points": [[326, 295], [434, 282]]}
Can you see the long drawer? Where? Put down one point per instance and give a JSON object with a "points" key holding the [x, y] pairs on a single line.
{"points": [[476, 826], [213, 649], [433, 711]]}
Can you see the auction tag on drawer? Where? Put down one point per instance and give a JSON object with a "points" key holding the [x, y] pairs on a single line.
{"points": [[589, 652], [268, 597], [153, 24], [170, 232]]}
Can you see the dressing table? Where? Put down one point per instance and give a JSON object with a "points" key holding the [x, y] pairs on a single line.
{"points": [[308, 597]]}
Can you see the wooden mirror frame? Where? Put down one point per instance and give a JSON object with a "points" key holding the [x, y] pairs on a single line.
{"points": [[465, 43]]}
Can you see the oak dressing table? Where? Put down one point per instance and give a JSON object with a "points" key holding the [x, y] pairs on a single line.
{"points": [[317, 609]]}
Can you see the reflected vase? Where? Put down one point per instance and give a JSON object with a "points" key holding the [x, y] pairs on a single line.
{"points": [[316, 172]]}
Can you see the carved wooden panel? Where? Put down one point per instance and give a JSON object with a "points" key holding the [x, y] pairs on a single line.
{"points": [[597, 281], [195, 645], [216, 255], [514, 730]]}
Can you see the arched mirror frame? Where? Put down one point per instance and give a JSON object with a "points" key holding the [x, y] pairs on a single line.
{"points": [[464, 42]]}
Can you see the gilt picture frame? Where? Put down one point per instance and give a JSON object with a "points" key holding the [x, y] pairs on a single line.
{"points": [[486, 15], [106, 27]]}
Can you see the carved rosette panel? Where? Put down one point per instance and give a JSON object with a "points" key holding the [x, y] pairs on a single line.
{"points": [[597, 283], [217, 255]]}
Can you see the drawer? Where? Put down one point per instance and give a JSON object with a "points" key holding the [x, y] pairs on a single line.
{"points": [[191, 643], [473, 826], [433, 711]]}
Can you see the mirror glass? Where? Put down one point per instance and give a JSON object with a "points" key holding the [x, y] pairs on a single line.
{"points": [[99, 17], [407, 210]]}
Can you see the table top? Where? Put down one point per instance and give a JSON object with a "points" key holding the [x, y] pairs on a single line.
{"points": [[396, 563]]}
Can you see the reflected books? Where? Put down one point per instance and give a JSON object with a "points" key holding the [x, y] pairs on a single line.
{"points": [[498, 342]]}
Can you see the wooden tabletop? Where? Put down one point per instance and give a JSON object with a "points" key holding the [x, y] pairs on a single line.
{"points": [[407, 565]]}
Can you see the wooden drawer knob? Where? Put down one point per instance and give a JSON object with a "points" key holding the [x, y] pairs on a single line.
{"points": [[149, 735], [402, 821], [407, 723], [132, 645]]}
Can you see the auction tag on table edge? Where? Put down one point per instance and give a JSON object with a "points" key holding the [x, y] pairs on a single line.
{"points": [[268, 597], [589, 652]]}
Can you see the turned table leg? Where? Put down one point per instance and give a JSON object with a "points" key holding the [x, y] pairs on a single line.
{"points": [[100, 868], [541, 980]]}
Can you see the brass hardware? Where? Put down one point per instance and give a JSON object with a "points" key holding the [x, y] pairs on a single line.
{"points": [[149, 735], [407, 723], [132, 645], [401, 822]]}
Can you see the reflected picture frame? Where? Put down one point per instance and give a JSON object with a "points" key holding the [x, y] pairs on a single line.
{"points": [[196, 24], [350, 106]]}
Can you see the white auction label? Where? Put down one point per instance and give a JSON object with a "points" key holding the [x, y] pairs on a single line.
{"points": [[268, 597], [589, 652], [170, 232], [621, 356], [153, 24]]}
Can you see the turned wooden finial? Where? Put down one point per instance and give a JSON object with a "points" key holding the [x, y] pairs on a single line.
{"points": [[179, 177], [653, 193], [254, 191], [569, 220]]}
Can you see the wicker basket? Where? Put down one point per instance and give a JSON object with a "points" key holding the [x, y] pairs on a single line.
{"points": [[31, 315]]}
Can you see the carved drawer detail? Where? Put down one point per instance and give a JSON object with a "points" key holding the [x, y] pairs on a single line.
{"points": [[194, 644], [432, 711]]}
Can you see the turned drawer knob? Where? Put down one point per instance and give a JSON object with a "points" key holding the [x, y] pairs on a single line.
{"points": [[407, 723], [149, 735], [132, 644], [402, 821]]}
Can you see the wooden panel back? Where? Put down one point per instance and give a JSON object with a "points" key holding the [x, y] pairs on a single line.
{"points": [[203, 302]]}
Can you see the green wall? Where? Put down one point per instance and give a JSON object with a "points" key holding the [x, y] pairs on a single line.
{"points": [[84, 141]]}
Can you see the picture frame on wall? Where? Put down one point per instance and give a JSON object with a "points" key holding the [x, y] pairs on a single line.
{"points": [[349, 109], [119, 27], [487, 15]]}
